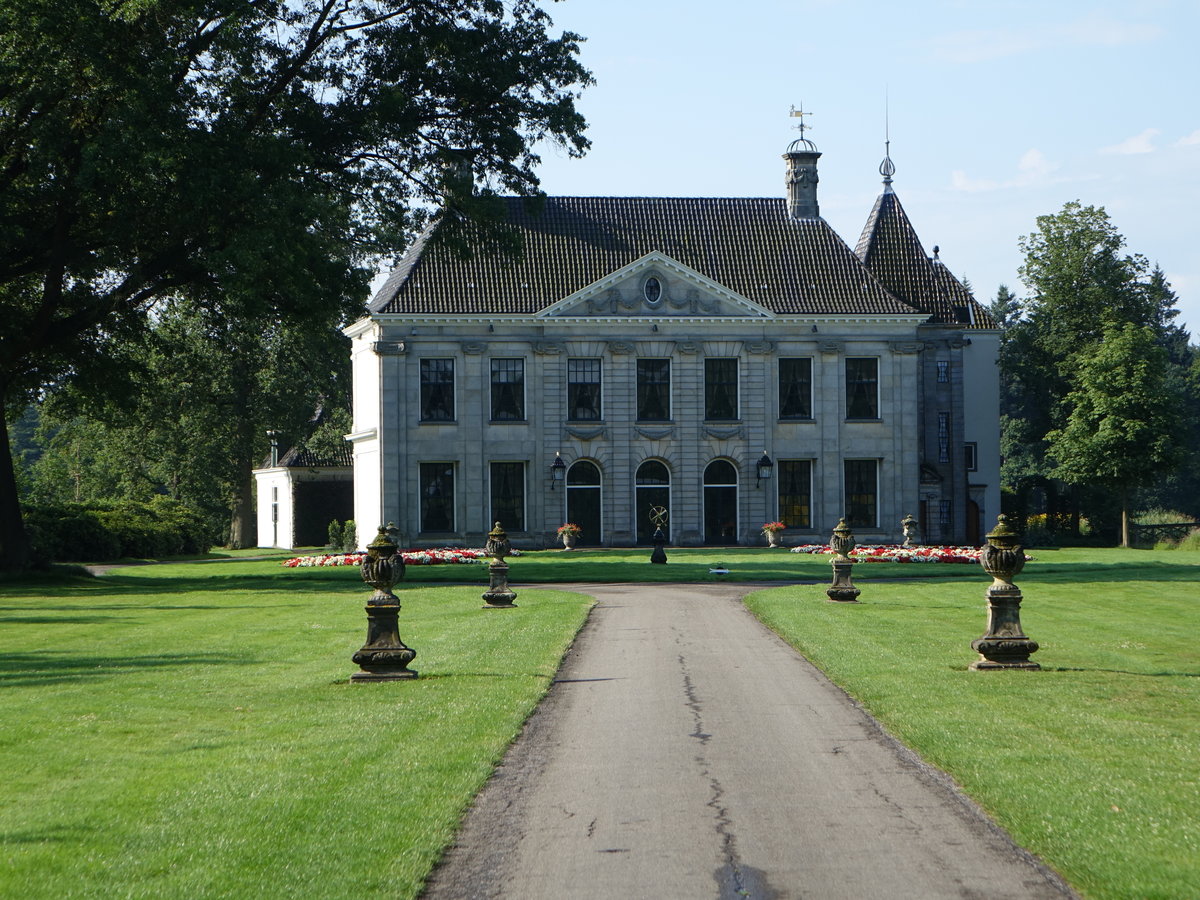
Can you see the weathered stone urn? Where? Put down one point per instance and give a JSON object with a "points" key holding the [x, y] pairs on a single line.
{"points": [[1004, 644], [842, 542], [384, 657], [498, 595], [912, 537]]}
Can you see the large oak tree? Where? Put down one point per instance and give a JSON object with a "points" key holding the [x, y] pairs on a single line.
{"points": [[252, 157]]}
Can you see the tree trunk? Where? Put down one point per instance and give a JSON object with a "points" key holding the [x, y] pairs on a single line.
{"points": [[14, 543], [1124, 517], [243, 526]]}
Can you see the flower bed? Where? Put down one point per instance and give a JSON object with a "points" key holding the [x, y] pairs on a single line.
{"points": [[437, 557], [896, 553]]}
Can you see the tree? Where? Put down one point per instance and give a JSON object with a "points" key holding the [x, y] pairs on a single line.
{"points": [[191, 424], [1082, 286], [1121, 431], [252, 157]]}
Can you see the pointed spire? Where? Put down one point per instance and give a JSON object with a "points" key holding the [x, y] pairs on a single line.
{"points": [[887, 168]]}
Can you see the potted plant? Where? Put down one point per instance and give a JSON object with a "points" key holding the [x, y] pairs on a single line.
{"points": [[771, 530], [569, 532]]}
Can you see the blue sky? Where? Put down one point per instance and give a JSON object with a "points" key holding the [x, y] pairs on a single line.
{"points": [[999, 112]]}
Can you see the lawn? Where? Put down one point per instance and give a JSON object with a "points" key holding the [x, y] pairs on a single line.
{"points": [[1092, 763], [189, 730]]}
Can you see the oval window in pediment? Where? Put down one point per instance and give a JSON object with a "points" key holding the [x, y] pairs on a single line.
{"points": [[652, 290]]}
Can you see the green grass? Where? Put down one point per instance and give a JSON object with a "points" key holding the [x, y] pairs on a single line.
{"points": [[189, 731], [1092, 763]]}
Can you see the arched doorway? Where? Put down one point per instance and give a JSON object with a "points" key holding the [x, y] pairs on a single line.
{"points": [[653, 488], [583, 502], [720, 502]]}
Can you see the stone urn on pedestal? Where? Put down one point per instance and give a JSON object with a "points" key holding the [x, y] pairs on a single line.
{"points": [[498, 595], [912, 537], [384, 657], [1004, 645], [771, 532], [569, 534], [842, 542]]}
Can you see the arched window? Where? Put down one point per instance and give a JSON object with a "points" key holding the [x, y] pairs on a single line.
{"points": [[583, 501], [652, 489], [720, 502]]}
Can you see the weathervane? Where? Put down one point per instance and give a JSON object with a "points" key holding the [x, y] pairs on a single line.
{"points": [[800, 114]]}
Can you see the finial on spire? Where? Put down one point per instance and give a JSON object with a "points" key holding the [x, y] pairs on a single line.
{"points": [[887, 168]]}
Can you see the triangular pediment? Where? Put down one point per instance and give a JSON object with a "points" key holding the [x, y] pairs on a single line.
{"points": [[656, 285]]}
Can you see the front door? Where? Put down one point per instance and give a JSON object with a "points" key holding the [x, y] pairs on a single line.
{"points": [[653, 489], [720, 503], [583, 502]]}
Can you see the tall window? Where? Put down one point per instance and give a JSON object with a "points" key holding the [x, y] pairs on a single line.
{"points": [[945, 517], [437, 390], [437, 496], [862, 388], [795, 492], [583, 390], [508, 495], [862, 480], [721, 388], [795, 388], [720, 502], [508, 390], [654, 390], [943, 371], [652, 489], [583, 501], [971, 456], [944, 437]]}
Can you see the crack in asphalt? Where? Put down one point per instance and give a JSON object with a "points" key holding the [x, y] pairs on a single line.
{"points": [[735, 887]]}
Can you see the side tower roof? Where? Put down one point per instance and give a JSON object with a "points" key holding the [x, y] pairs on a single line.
{"points": [[890, 249]]}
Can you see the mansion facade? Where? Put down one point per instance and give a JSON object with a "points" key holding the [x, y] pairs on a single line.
{"points": [[731, 360]]}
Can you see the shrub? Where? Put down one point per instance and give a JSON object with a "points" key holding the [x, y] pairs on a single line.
{"points": [[342, 537], [103, 531]]}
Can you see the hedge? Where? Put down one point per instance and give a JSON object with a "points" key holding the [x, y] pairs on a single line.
{"points": [[95, 532]]}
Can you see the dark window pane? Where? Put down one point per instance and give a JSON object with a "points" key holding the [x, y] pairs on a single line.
{"points": [[795, 388], [583, 390], [861, 487], [437, 496], [862, 388], [508, 495], [720, 471], [437, 390], [583, 473], [943, 437], [943, 371], [508, 390], [795, 492], [720, 389], [654, 390], [653, 472]]}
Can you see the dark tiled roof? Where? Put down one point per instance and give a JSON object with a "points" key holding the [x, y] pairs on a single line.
{"points": [[749, 245], [890, 248], [303, 458]]}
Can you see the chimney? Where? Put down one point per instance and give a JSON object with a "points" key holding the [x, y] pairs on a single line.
{"points": [[802, 156]]}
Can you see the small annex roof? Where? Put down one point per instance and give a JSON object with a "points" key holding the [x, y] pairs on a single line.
{"points": [[890, 249], [303, 458], [749, 245]]}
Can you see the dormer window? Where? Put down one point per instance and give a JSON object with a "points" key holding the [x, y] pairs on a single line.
{"points": [[652, 289]]}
